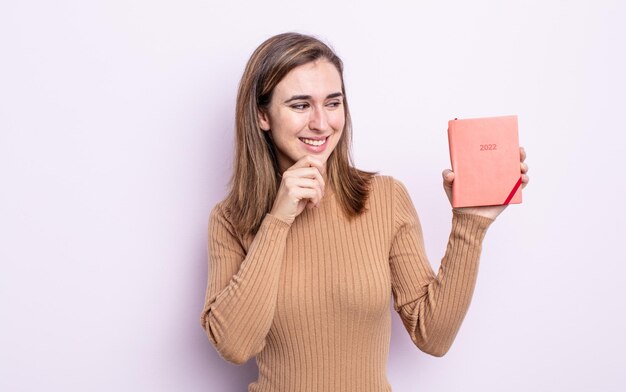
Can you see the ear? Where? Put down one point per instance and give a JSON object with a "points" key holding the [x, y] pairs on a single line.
{"points": [[264, 120]]}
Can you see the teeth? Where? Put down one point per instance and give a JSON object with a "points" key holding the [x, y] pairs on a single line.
{"points": [[314, 142]]}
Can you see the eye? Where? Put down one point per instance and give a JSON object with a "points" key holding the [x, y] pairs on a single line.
{"points": [[300, 106], [334, 104]]}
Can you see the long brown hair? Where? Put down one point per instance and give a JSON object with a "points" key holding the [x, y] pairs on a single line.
{"points": [[256, 177]]}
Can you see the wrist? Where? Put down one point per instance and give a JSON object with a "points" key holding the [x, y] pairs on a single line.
{"points": [[478, 211], [280, 218]]}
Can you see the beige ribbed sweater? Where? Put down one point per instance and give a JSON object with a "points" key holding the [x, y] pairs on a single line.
{"points": [[311, 300]]}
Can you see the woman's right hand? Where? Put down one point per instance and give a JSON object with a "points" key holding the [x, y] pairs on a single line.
{"points": [[302, 186]]}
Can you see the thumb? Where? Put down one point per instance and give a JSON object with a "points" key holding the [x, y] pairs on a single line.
{"points": [[448, 176]]}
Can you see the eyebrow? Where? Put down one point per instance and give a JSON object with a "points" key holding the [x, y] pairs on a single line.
{"points": [[298, 97]]}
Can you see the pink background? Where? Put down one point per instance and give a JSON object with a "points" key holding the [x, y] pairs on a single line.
{"points": [[116, 140]]}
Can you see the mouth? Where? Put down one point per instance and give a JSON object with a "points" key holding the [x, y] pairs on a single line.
{"points": [[315, 142]]}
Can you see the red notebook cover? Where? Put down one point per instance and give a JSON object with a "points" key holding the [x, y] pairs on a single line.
{"points": [[485, 158]]}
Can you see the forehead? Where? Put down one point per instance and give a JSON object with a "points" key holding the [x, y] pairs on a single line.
{"points": [[316, 78]]}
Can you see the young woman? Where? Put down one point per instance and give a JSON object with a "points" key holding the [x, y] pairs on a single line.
{"points": [[306, 251]]}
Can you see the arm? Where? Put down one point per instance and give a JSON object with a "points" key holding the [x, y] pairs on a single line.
{"points": [[433, 307], [242, 288]]}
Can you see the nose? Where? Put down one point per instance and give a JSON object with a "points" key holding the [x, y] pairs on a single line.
{"points": [[318, 119]]}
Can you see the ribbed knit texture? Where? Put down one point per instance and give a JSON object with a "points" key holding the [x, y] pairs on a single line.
{"points": [[311, 300]]}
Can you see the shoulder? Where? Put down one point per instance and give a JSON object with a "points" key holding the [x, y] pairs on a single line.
{"points": [[387, 186], [381, 183], [391, 191], [390, 195], [220, 219], [218, 210]]}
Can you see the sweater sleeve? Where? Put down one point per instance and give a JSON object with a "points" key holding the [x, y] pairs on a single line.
{"points": [[242, 286], [433, 307]]}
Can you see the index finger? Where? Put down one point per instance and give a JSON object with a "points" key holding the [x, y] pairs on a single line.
{"points": [[522, 153], [310, 161]]}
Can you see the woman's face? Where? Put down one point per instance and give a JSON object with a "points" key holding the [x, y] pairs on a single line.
{"points": [[306, 113]]}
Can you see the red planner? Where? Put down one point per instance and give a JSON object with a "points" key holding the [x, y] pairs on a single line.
{"points": [[485, 158]]}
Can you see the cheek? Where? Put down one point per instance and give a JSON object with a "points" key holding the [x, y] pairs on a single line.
{"points": [[338, 121], [291, 123]]}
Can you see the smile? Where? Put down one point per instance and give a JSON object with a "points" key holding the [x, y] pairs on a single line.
{"points": [[314, 142]]}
